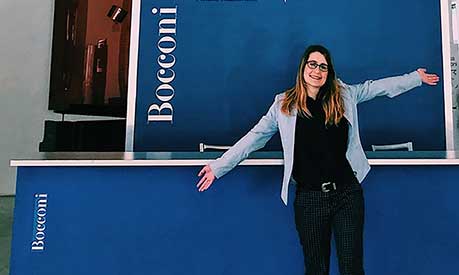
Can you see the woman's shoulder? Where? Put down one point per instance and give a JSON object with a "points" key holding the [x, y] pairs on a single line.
{"points": [[279, 97], [345, 89], [343, 86]]}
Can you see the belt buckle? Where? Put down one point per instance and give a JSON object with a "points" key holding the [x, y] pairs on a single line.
{"points": [[325, 184]]}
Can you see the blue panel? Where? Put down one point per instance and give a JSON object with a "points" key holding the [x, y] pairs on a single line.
{"points": [[233, 56], [411, 220], [140, 220], [153, 221]]}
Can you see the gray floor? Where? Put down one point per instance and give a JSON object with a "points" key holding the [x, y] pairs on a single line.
{"points": [[6, 223]]}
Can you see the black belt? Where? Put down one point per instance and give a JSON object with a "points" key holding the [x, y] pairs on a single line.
{"points": [[328, 186], [324, 187]]}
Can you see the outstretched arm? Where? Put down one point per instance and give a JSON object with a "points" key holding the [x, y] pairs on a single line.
{"points": [[255, 139], [391, 86]]}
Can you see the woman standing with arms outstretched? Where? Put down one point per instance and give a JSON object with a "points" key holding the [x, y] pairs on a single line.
{"points": [[318, 124]]}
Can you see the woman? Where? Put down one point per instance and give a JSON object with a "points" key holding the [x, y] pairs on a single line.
{"points": [[318, 125]]}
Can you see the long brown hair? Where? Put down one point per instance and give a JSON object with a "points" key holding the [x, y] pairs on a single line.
{"points": [[329, 93]]}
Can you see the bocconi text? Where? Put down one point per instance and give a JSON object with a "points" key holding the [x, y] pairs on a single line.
{"points": [[41, 203], [163, 109]]}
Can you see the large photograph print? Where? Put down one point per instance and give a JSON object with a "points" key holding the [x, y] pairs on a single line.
{"points": [[90, 57], [208, 70]]}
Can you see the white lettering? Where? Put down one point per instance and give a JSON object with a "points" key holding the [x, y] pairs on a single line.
{"points": [[159, 116], [167, 29], [38, 245], [168, 10], [169, 22], [168, 44], [41, 227], [40, 236], [166, 65], [41, 212], [165, 79], [41, 202]]}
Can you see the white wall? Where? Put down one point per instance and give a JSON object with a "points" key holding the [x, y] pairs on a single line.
{"points": [[25, 41], [25, 58], [455, 78]]}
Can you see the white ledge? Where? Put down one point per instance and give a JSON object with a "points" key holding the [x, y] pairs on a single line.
{"points": [[200, 159]]}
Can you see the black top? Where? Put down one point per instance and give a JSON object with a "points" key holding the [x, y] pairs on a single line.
{"points": [[320, 151]]}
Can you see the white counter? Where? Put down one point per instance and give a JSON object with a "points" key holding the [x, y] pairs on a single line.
{"points": [[198, 159]]}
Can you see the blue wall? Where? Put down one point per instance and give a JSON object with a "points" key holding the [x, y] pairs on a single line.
{"points": [[232, 57], [152, 220]]}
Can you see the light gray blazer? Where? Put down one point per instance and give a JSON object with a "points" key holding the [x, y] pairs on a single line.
{"points": [[274, 120]]}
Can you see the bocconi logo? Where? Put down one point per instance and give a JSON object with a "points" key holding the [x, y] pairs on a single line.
{"points": [[39, 221], [163, 110]]}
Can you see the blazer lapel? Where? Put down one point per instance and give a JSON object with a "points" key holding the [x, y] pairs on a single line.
{"points": [[348, 108], [348, 117], [290, 129]]}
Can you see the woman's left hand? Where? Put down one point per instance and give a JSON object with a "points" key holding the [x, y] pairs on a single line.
{"points": [[431, 79]]}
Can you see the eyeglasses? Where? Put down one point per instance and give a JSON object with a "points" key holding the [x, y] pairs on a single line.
{"points": [[313, 64]]}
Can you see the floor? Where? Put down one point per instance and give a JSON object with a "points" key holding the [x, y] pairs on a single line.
{"points": [[6, 223]]}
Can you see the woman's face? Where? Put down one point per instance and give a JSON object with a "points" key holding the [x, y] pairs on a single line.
{"points": [[316, 70]]}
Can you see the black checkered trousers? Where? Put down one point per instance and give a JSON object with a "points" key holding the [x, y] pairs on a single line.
{"points": [[318, 215]]}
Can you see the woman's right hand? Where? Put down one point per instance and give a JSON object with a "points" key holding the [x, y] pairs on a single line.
{"points": [[207, 180]]}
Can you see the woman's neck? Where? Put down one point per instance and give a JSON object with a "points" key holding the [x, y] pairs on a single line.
{"points": [[313, 92]]}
